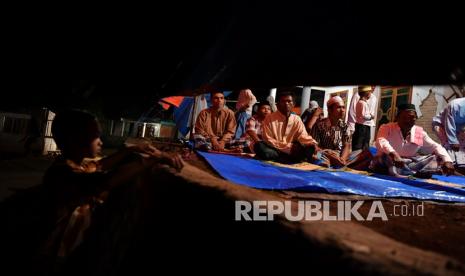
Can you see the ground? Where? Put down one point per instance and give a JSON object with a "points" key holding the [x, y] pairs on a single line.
{"points": [[436, 239], [441, 229]]}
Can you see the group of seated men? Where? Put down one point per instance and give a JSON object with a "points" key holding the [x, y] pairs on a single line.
{"points": [[403, 148]]}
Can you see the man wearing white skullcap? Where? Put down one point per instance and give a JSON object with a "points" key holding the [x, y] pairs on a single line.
{"points": [[335, 99], [334, 140]]}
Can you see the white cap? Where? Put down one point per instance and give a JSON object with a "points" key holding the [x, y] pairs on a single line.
{"points": [[333, 100], [313, 105]]}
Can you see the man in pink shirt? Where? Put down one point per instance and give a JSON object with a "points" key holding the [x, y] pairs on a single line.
{"points": [[399, 144], [284, 136]]}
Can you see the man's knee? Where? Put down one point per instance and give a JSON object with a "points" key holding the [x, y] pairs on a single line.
{"points": [[265, 152], [301, 152]]}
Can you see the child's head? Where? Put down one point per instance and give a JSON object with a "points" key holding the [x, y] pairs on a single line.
{"points": [[263, 108], [77, 132]]}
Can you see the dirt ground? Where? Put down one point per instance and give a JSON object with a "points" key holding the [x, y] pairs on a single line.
{"points": [[17, 173], [440, 229]]}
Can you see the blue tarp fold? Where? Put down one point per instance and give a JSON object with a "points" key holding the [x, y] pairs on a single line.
{"points": [[258, 174]]}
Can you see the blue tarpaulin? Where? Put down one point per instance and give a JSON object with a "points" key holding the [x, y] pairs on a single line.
{"points": [[258, 174], [182, 113]]}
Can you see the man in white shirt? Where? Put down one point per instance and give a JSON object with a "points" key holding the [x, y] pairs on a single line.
{"points": [[372, 103], [363, 121], [398, 146]]}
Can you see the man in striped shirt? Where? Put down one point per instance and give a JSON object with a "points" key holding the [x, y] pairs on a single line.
{"points": [[334, 139]]}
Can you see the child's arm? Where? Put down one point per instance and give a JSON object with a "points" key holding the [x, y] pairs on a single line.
{"points": [[128, 171], [113, 160]]}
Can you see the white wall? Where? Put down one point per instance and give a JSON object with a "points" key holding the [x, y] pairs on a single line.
{"points": [[49, 144], [419, 94], [332, 89], [305, 99], [441, 91]]}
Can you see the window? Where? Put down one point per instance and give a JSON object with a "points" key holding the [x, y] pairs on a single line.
{"points": [[391, 98], [15, 125], [318, 96]]}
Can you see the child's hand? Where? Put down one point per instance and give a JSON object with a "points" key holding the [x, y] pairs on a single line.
{"points": [[317, 112], [174, 160]]}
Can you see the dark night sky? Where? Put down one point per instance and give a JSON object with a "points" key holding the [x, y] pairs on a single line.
{"points": [[164, 50]]}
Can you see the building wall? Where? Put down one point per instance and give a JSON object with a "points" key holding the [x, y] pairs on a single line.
{"points": [[49, 144], [13, 137], [428, 111], [442, 92], [13, 131], [334, 89], [430, 101]]}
